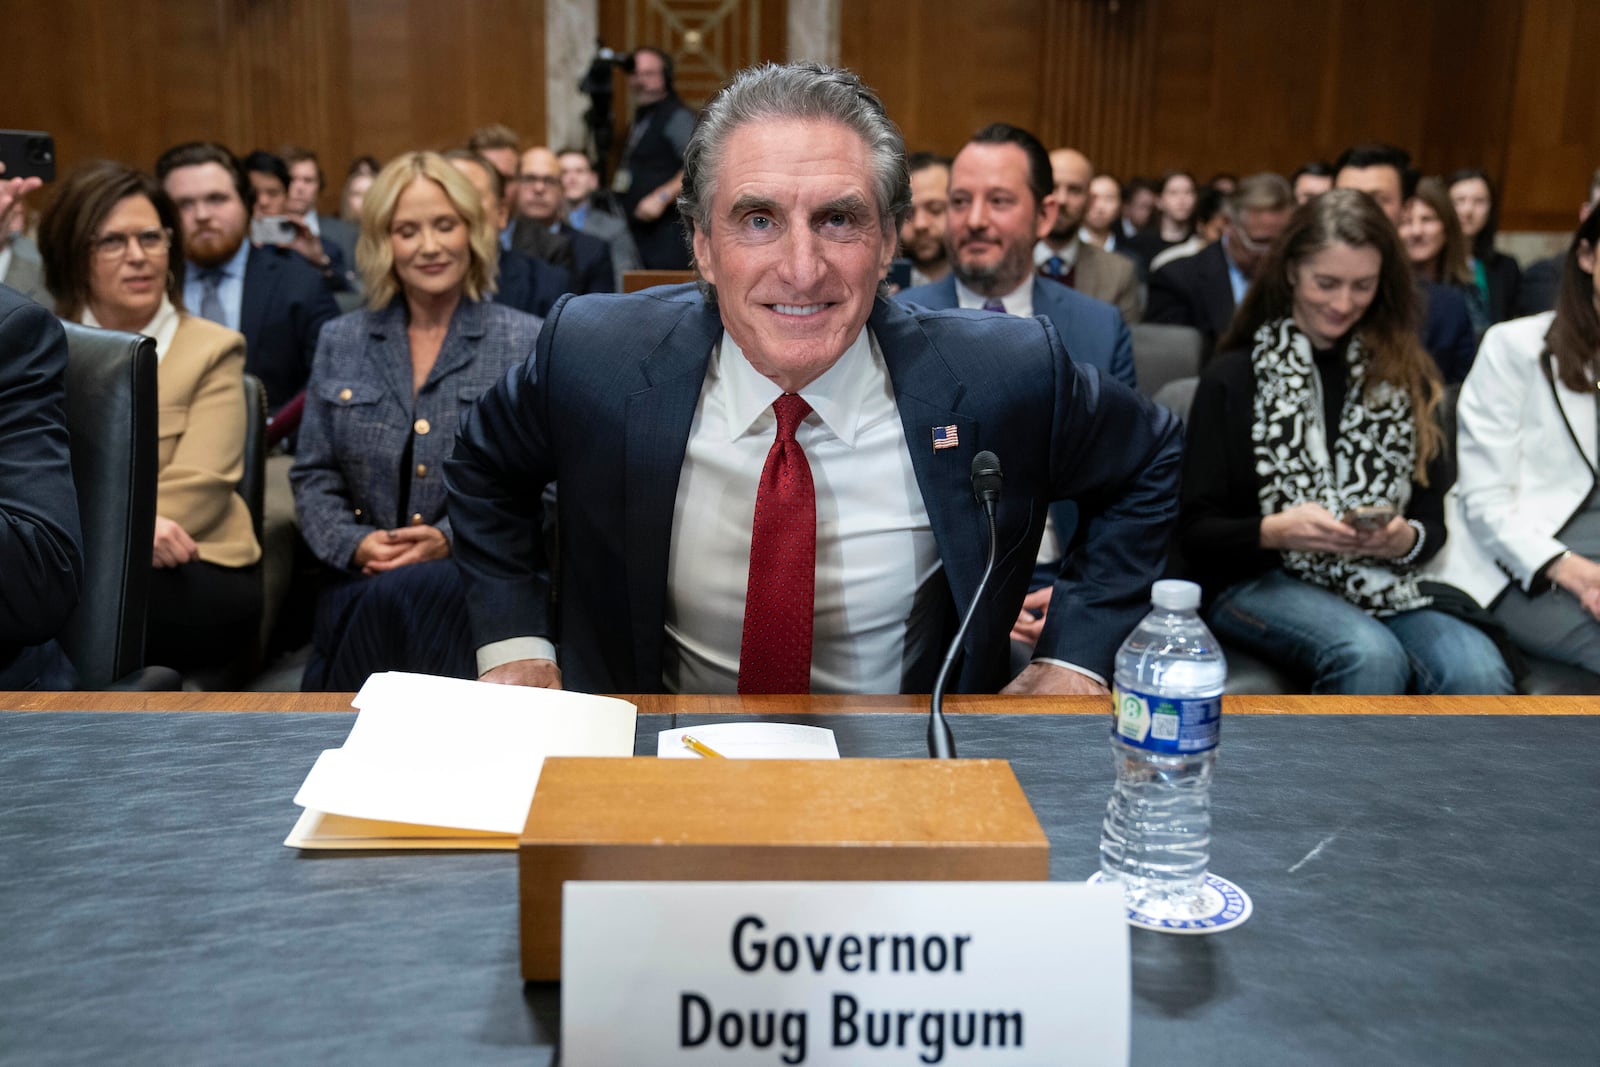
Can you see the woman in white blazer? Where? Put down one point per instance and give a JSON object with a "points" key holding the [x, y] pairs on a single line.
{"points": [[1524, 517]]}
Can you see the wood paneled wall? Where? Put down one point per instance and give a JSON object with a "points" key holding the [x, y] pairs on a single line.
{"points": [[126, 80], [1140, 85]]}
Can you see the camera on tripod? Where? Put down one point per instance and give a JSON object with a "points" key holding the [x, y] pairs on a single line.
{"points": [[597, 85]]}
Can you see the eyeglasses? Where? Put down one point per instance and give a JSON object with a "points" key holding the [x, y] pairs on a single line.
{"points": [[114, 246], [549, 181]]}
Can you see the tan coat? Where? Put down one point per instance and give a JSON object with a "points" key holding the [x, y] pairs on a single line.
{"points": [[1110, 277], [200, 389]]}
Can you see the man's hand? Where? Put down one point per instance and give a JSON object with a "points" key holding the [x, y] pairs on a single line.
{"points": [[534, 673], [308, 244], [1309, 527], [13, 190], [1048, 679], [1028, 625], [173, 547]]}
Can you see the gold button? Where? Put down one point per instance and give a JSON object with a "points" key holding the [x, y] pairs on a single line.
{"points": [[345, 394], [422, 470], [416, 520], [421, 426]]}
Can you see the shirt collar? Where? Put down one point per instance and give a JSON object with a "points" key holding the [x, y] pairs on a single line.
{"points": [[1018, 302], [835, 396], [1068, 255], [162, 326]]}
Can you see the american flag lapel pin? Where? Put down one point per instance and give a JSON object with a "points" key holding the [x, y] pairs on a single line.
{"points": [[945, 437]]}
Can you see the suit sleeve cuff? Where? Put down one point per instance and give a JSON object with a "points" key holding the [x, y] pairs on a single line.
{"points": [[1086, 672], [497, 653]]}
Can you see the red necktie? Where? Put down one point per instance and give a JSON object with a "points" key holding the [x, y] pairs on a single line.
{"points": [[775, 651]]}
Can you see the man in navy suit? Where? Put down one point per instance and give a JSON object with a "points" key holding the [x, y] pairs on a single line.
{"points": [[1203, 290], [541, 232], [273, 296], [40, 540], [1384, 173], [1003, 201], [673, 420]]}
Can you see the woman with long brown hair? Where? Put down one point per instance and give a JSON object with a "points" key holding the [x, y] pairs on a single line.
{"points": [[1438, 249], [1315, 470], [1525, 517]]}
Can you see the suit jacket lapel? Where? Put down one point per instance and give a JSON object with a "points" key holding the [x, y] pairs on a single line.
{"points": [[1578, 411], [461, 341], [390, 353], [1221, 284], [658, 419], [261, 279], [927, 393]]}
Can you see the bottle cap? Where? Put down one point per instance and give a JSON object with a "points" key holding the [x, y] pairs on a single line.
{"points": [[1175, 595]]}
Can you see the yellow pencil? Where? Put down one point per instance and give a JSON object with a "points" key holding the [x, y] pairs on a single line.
{"points": [[701, 748]]}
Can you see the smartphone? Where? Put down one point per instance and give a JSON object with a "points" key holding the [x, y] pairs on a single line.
{"points": [[28, 154], [1370, 516], [900, 273], [271, 230]]}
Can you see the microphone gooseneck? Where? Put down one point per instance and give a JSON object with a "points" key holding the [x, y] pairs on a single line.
{"points": [[986, 479]]}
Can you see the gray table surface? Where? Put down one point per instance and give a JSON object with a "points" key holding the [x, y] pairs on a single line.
{"points": [[1425, 892]]}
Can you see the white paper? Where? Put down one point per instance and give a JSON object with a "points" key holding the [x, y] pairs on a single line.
{"points": [[1035, 972], [750, 740], [459, 754]]}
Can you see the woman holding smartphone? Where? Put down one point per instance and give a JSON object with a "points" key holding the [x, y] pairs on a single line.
{"points": [[1315, 470]]}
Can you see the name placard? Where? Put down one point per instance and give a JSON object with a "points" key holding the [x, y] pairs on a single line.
{"points": [[843, 973]]}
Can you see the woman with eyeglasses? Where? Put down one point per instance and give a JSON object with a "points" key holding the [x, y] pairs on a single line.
{"points": [[107, 245], [1314, 470]]}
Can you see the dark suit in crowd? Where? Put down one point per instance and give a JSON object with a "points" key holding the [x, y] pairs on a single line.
{"points": [[606, 410], [281, 314], [41, 550], [528, 284], [1194, 291], [587, 260]]}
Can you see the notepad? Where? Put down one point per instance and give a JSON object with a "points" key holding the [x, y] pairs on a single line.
{"points": [[751, 740], [443, 763]]}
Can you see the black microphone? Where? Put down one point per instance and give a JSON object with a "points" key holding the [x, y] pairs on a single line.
{"points": [[986, 479]]}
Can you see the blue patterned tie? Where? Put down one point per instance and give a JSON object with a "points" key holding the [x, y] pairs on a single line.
{"points": [[210, 301]]}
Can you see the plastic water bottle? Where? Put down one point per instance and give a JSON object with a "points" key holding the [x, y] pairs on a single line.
{"points": [[1156, 840]]}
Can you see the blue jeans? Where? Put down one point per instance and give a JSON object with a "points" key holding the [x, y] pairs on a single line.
{"points": [[1284, 619]]}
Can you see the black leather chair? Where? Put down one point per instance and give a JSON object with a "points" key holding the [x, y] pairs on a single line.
{"points": [[111, 416]]}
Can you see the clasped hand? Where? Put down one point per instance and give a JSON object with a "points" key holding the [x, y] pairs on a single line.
{"points": [[384, 550], [1579, 576], [1310, 527]]}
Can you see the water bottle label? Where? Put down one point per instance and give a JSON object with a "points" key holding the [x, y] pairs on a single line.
{"points": [[1172, 725]]}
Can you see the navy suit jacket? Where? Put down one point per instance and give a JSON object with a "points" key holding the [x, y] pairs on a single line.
{"points": [[41, 549], [1092, 330], [1447, 331], [529, 284], [1194, 291], [1094, 334], [605, 409], [284, 307]]}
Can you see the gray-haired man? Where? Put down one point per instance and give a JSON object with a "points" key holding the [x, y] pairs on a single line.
{"points": [[765, 482]]}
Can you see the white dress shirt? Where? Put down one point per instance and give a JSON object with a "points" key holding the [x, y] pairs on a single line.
{"points": [[230, 289], [1018, 302], [875, 545], [876, 554]]}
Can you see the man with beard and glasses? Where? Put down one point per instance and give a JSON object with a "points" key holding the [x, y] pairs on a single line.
{"points": [[1062, 256], [269, 294]]}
